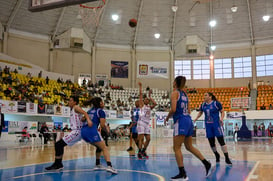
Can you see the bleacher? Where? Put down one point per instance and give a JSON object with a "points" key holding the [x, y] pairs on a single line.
{"points": [[265, 96]]}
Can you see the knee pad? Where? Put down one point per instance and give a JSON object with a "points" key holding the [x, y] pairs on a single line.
{"points": [[212, 142], [59, 147], [221, 140], [98, 150]]}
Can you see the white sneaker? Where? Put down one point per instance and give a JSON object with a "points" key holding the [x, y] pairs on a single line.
{"points": [[99, 167], [112, 170]]}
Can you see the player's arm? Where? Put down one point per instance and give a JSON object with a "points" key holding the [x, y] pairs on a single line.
{"points": [[81, 111], [153, 101], [222, 116], [198, 116], [174, 98], [141, 103]]}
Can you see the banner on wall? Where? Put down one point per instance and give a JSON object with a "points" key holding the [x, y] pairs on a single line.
{"points": [[49, 109], [22, 106], [17, 126], [10, 106], [4, 106], [58, 110], [102, 79], [152, 69], [41, 108], [112, 114], [66, 111], [160, 117], [32, 108], [6, 127], [83, 76], [119, 69], [126, 114]]}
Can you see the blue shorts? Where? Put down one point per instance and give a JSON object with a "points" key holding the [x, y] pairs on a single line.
{"points": [[91, 135], [183, 126], [213, 130]]}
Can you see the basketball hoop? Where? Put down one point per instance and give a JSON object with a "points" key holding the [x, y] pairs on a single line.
{"points": [[90, 14]]}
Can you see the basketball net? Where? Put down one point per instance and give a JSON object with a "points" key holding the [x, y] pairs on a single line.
{"points": [[90, 14]]}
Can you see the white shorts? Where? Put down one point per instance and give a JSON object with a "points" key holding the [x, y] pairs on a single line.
{"points": [[143, 129], [73, 137]]}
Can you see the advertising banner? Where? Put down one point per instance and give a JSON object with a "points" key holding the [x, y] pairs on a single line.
{"points": [[152, 69]]}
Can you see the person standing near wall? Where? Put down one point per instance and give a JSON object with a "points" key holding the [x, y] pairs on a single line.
{"points": [[255, 129], [211, 107], [2, 122]]}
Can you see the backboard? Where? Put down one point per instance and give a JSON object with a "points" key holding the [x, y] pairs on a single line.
{"points": [[41, 5]]}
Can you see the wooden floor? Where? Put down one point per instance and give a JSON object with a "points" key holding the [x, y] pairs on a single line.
{"points": [[258, 150]]}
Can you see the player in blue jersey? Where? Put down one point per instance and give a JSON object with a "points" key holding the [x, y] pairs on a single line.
{"points": [[93, 136], [133, 125], [183, 128], [211, 107]]}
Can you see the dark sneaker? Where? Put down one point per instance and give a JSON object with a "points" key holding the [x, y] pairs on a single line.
{"points": [[54, 167], [209, 168], [180, 177], [130, 149], [144, 154], [139, 155], [228, 162]]}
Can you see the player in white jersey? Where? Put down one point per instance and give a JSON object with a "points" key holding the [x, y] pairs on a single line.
{"points": [[143, 128], [74, 136]]}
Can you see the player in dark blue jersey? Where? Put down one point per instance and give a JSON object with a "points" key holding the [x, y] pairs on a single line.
{"points": [[183, 128], [92, 135], [133, 125], [211, 107]]}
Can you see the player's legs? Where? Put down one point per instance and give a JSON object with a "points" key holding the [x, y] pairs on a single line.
{"points": [[131, 142], [102, 147], [198, 154], [221, 141], [214, 149], [140, 138]]}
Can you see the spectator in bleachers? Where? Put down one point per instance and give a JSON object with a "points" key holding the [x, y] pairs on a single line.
{"points": [[15, 71], [29, 75], [270, 107], [45, 132], [6, 70], [262, 127], [84, 82], [47, 79], [40, 74], [263, 107]]}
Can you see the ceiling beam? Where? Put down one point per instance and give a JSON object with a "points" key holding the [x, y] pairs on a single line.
{"points": [[13, 14], [250, 23], [58, 24], [100, 21], [140, 8]]}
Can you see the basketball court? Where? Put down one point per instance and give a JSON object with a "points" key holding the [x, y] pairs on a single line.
{"points": [[28, 163]]}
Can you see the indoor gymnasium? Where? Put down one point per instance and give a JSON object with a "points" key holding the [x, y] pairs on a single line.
{"points": [[136, 90]]}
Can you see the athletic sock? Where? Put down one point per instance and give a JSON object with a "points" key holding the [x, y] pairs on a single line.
{"points": [[182, 171], [217, 156], [109, 164], [97, 161]]}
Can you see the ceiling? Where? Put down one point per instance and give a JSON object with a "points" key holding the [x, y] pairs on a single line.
{"points": [[154, 16]]}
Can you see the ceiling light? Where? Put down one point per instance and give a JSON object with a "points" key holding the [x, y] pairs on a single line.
{"points": [[174, 8], [234, 8], [157, 35], [212, 23], [115, 17], [212, 47], [266, 17]]}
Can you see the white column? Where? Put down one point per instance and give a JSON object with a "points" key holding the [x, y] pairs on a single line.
{"points": [[212, 80], [5, 43], [253, 62], [51, 57], [133, 68], [93, 64], [171, 69]]}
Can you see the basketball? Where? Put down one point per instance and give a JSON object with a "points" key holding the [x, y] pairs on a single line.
{"points": [[132, 23]]}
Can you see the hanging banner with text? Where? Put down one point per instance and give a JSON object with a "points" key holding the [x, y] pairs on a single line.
{"points": [[160, 117], [152, 69]]}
